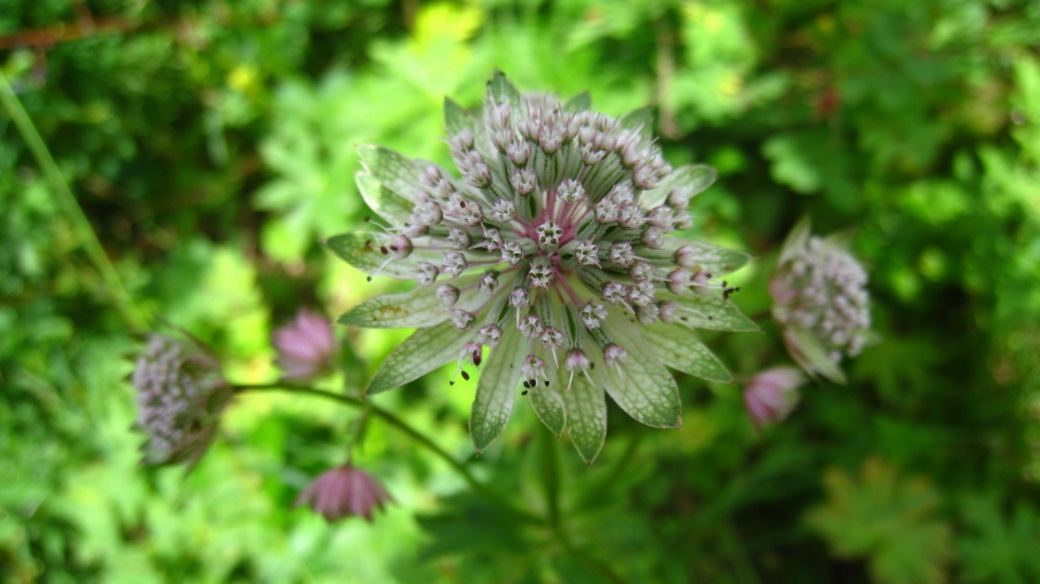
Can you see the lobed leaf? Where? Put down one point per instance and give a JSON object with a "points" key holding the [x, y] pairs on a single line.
{"points": [[424, 351], [679, 348]]}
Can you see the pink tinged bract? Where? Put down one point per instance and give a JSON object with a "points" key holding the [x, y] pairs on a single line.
{"points": [[345, 491]]}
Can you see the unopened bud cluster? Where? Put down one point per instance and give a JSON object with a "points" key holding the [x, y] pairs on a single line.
{"points": [[180, 395]]}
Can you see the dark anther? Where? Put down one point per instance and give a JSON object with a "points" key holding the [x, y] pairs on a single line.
{"points": [[367, 218], [476, 358], [546, 383], [383, 249], [393, 248], [524, 392], [465, 376], [370, 278], [526, 384]]}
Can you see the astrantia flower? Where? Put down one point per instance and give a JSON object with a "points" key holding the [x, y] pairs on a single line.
{"points": [[305, 346], [771, 394], [345, 491], [180, 396], [552, 253], [821, 300]]}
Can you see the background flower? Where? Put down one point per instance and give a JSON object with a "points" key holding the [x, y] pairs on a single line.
{"points": [[345, 491], [820, 297], [306, 346], [180, 396], [771, 394]]}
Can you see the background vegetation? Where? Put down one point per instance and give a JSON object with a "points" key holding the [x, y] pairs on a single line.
{"points": [[209, 146]]}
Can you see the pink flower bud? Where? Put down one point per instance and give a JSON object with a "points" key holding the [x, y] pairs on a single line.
{"points": [[772, 394], [344, 491], [305, 346]]}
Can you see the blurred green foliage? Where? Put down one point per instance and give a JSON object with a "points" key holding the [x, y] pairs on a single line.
{"points": [[211, 146]]}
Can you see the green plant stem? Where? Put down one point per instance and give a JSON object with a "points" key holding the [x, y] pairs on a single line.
{"points": [[84, 232], [403, 426]]}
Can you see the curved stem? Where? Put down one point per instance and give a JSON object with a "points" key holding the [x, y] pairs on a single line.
{"points": [[403, 426], [80, 224]]}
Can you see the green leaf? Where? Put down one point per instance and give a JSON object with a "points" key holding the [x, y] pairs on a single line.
{"points": [[640, 120], [888, 520], [397, 172], [679, 348], [548, 406], [424, 351], [643, 387], [710, 311], [456, 118], [362, 250], [383, 201], [496, 389], [419, 308], [713, 259], [696, 178], [586, 415], [579, 103]]}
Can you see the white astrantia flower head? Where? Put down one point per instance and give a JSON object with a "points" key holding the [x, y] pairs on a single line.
{"points": [[555, 238], [820, 298]]}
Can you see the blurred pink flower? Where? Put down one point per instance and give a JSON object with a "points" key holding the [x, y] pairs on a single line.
{"points": [[772, 394], [305, 346], [344, 491]]}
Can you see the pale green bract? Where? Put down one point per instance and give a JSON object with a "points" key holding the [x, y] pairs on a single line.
{"points": [[551, 263]]}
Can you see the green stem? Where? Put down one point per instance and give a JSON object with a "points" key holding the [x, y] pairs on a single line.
{"points": [[81, 225], [403, 426]]}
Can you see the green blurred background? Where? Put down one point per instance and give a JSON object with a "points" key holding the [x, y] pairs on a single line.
{"points": [[210, 146]]}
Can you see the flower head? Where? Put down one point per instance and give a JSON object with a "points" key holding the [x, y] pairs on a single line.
{"points": [[345, 491], [556, 234], [772, 394], [180, 396], [821, 299], [305, 346]]}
